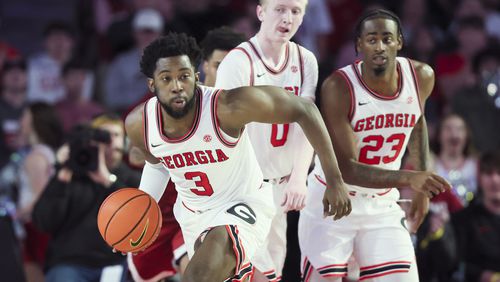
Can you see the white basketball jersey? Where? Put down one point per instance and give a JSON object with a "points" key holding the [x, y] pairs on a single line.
{"points": [[208, 167], [382, 125], [271, 140]]}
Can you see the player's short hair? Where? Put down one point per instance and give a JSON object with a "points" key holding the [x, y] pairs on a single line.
{"points": [[171, 45], [263, 2], [222, 38], [375, 14], [491, 52], [47, 124], [106, 118], [56, 27], [489, 162]]}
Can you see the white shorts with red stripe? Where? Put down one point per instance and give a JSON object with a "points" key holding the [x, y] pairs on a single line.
{"points": [[270, 259], [375, 233], [247, 221]]}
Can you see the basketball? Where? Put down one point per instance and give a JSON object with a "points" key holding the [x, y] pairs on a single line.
{"points": [[129, 220]]}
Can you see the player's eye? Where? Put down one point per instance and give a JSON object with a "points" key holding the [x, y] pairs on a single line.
{"points": [[296, 11], [166, 78]]}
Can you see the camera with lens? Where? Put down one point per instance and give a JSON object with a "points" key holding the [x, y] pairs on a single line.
{"points": [[84, 150]]}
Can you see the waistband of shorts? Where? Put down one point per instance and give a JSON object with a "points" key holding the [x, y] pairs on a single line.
{"points": [[278, 180]]}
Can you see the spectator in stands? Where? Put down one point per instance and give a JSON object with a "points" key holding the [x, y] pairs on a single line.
{"points": [[44, 69], [124, 83], [68, 207], [75, 108], [454, 160], [478, 226], [479, 104], [13, 87], [43, 130]]}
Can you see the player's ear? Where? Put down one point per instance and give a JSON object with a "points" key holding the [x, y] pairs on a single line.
{"points": [[151, 85], [260, 12], [400, 42], [197, 74], [358, 45], [204, 67]]}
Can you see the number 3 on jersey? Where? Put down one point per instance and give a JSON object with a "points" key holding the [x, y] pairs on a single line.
{"points": [[279, 137], [203, 187], [375, 143]]}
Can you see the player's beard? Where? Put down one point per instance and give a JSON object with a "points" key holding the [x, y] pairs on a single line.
{"points": [[379, 70], [178, 114]]}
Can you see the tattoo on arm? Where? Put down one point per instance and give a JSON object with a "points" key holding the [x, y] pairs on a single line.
{"points": [[419, 145]]}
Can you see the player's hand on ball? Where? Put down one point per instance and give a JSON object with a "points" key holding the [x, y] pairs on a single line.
{"points": [[116, 251], [428, 183], [336, 202], [123, 253]]}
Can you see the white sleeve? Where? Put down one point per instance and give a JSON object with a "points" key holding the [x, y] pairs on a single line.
{"points": [[154, 180], [310, 74], [234, 71]]}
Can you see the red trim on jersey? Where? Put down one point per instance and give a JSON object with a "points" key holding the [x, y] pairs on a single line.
{"points": [[215, 122], [374, 93], [269, 69], [194, 126], [415, 81], [352, 108], [251, 82], [145, 126], [301, 63], [385, 192]]}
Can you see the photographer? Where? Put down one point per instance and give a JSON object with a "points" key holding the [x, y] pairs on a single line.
{"points": [[68, 207]]}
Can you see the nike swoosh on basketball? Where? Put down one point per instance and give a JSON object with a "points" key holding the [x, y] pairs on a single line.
{"points": [[156, 145], [260, 74], [362, 104], [139, 240]]}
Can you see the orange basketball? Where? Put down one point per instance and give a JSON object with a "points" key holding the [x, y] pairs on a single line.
{"points": [[129, 220]]}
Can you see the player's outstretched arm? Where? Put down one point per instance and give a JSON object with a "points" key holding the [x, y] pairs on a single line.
{"points": [[269, 104], [155, 176], [335, 105]]}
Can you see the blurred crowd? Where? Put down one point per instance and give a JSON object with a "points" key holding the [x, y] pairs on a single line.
{"points": [[74, 62]]}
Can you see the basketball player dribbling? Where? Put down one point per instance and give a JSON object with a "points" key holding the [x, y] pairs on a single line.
{"points": [[373, 110], [283, 152], [197, 136], [168, 250]]}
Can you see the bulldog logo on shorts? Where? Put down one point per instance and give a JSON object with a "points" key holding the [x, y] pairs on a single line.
{"points": [[244, 212]]}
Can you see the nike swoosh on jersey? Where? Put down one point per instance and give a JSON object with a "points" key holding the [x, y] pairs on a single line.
{"points": [[260, 74]]}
